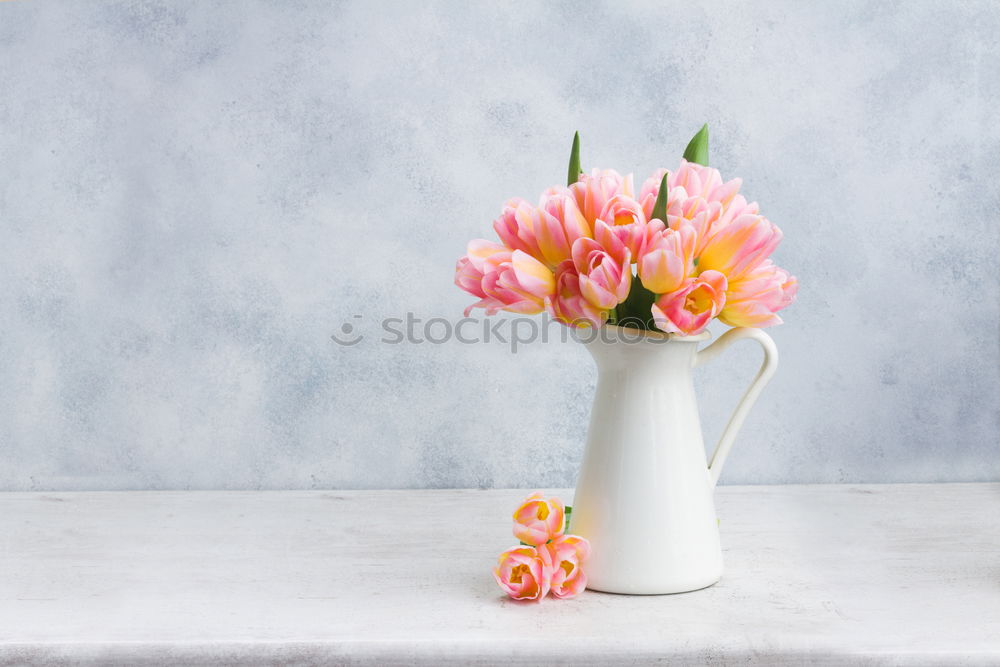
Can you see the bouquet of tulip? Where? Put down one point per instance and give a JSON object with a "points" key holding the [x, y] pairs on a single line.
{"points": [[548, 559], [688, 248]]}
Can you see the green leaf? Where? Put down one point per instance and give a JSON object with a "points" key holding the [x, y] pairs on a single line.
{"points": [[697, 148], [636, 310], [660, 207], [567, 512], [574, 161]]}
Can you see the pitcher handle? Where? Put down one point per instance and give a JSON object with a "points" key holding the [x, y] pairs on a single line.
{"points": [[767, 368]]}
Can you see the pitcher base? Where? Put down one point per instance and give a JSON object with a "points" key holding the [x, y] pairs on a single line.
{"points": [[672, 588]]}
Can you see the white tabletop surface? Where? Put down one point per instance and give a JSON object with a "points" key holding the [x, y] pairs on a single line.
{"points": [[886, 574]]}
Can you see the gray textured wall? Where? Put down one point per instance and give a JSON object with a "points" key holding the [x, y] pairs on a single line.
{"points": [[194, 196]]}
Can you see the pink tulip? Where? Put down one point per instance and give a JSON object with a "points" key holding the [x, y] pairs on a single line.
{"points": [[594, 190], [704, 182], [605, 270], [568, 305], [627, 220], [568, 553], [538, 519], [515, 227], [522, 284], [622, 210], [632, 237], [524, 573], [557, 224], [740, 246], [709, 218], [483, 257], [696, 194], [697, 181], [696, 211], [512, 281], [737, 207], [561, 204], [667, 259], [688, 310], [753, 300], [468, 277]]}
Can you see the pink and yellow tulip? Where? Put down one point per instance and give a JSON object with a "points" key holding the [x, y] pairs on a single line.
{"points": [[569, 305], [755, 299], [705, 183], [538, 519], [594, 190], [696, 181], [625, 218], [689, 309], [522, 284], [557, 224], [667, 259], [631, 237], [524, 573], [568, 553], [515, 227], [468, 277], [513, 281], [605, 272], [740, 246], [482, 257], [622, 210], [561, 204], [696, 194]]}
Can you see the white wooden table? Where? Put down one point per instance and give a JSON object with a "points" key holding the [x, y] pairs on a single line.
{"points": [[904, 574]]}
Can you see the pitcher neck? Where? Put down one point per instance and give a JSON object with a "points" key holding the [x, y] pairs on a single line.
{"points": [[616, 347]]}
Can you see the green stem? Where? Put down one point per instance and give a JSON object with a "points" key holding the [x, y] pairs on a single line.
{"points": [[636, 310]]}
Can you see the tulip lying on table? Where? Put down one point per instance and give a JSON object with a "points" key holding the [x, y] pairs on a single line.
{"points": [[548, 560]]}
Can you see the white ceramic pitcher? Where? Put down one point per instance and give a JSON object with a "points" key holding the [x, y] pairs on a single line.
{"points": [[644, 495]]}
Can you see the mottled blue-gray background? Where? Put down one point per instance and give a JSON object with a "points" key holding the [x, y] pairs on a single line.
{"points": [[194, 196]]}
